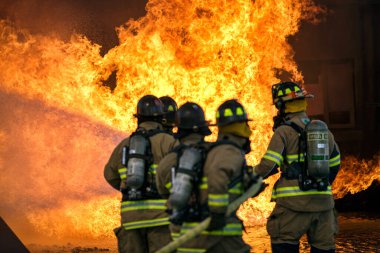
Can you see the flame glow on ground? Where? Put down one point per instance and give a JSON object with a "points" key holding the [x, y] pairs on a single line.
{"points": [[202, 51]]}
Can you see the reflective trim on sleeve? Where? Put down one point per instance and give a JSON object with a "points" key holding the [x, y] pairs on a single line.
{"points": [[237, 189], [146, 223], [175, 235], [218, 199], [294, 191], [274, 157], [156, 204], [123, 173], [334, 161]]}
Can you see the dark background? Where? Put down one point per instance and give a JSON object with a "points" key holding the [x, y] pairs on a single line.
{"points": [[339, 57]]}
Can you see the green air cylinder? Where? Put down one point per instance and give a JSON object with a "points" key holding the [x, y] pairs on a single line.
{"points": [[317, 137]]}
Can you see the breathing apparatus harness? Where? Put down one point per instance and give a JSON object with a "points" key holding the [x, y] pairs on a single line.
{"points": [[137, 157], [313, 171], [187, 176]]}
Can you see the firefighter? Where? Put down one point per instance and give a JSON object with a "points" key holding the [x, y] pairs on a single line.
{"points": [[131, 169], [192, 129], [170, 109], [223, 171], [304, 201]]}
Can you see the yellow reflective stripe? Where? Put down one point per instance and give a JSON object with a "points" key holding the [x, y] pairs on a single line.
{"points": [[217, 114], [168, 185], [280, 93], [229, 229], [296, 88], [146, 223], [218, 199], [294, 158], [175, 235], [237, 189], [228, 112], [239, 111], [190, 250], [294, 191], [157, 204], [203, 185], [123, 173], [274, 157], [153, 169], [288, 91], [334, 161], [170, 108], [122, 170]]}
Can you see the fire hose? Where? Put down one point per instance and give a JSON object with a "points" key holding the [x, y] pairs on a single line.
{"points": [[252, 191]]}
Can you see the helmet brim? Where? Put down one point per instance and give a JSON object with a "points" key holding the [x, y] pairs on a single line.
{"points": [[216, 124]]}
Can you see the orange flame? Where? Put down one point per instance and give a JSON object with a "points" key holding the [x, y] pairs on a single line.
{"points": [[356, 175], [203, 51]]}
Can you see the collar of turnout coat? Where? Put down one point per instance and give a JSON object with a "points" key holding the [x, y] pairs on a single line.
{"points": [[192, 139], [296, 115], [236, 139], [149, 125]]}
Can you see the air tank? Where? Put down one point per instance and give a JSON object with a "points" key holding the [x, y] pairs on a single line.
{"points": [[183, 181], [136, 166], [317, 137]]}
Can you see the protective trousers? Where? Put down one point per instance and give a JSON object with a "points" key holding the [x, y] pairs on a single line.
{"points": [[143, 240], [285, 227]]}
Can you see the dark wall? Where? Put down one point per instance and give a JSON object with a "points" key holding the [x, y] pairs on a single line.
{"points": [[340, 62]]}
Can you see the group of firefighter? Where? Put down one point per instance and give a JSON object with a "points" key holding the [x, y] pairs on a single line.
{"points": [[171, 182]]}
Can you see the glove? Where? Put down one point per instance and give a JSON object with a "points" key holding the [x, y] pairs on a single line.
{"points": [[218, 221]]}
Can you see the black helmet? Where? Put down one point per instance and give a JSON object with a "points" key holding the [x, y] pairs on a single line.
{"points": [[229, 112], [149, 106], [191, 116], [170, 109], [287, 91]]}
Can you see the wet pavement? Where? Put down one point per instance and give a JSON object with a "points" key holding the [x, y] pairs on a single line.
{"points": [[358, 233]]}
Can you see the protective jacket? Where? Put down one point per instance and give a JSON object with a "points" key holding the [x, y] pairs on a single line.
{"points": [[164, 173], [282, 152], [224, 163], [148, 212]]}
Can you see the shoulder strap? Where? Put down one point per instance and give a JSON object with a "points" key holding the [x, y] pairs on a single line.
{"points": [[152, 132], [179, 149], [302, 146], [293, 125]]}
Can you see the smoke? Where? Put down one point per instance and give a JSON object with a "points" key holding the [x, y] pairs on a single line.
{"points": [[49, 158], [95, 19]]}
